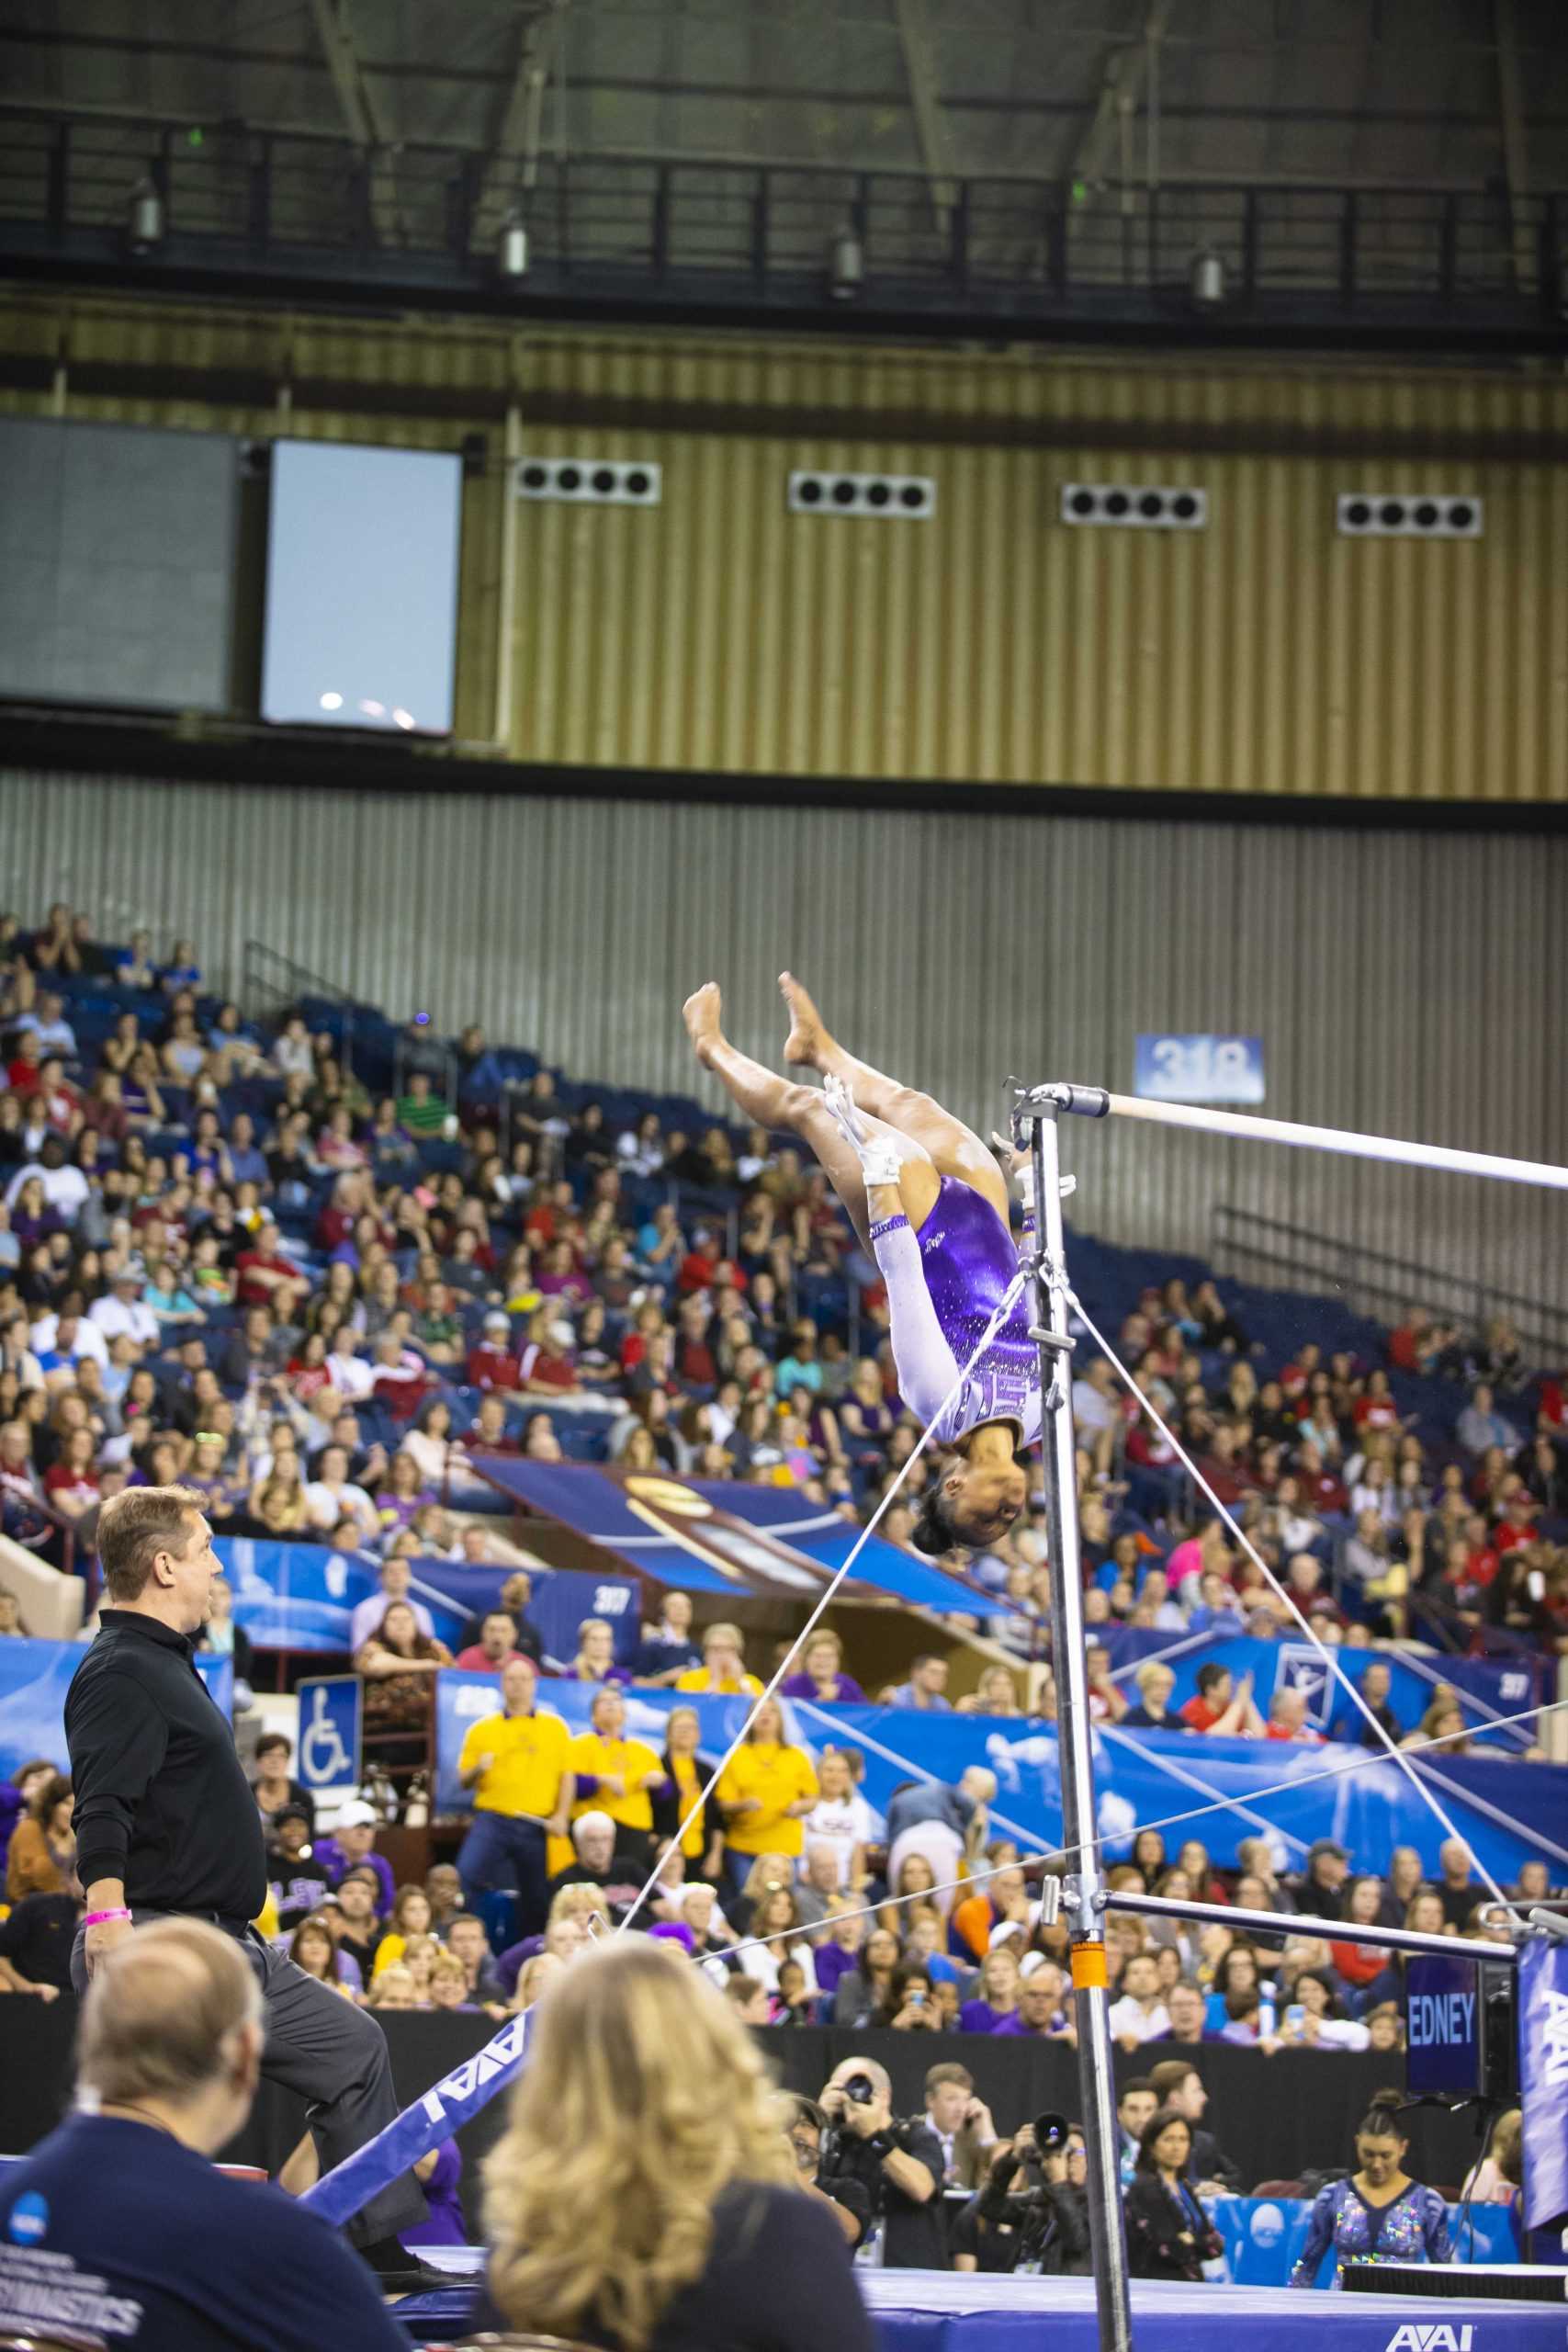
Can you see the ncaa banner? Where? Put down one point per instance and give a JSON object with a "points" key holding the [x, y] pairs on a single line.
{"points": [[34, 1678], [1543, 2079]]}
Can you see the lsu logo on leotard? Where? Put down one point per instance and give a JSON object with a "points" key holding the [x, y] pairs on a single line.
{"points": [[931, 1241]]}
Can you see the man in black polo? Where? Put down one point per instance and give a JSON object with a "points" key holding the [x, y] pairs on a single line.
{"points": [[165, 1821]]}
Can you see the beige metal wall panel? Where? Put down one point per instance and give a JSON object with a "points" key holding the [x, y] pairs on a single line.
{"points": [[990, 643], [1403, 983]]}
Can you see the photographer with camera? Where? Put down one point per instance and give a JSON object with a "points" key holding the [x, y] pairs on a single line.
{"points": [[1031, 2217], [897, 2165], [805, 2128]]}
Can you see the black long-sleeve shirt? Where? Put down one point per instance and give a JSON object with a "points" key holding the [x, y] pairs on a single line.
{"points": [[162, 1801]]}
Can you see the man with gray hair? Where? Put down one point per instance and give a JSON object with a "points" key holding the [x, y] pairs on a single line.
{"points": [[119, 2226]]}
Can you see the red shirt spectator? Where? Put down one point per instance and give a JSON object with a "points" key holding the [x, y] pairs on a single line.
{"points": [[263, 1270], [493, 1363], [1201, 1715], [476, 1659], [700, 1269]]}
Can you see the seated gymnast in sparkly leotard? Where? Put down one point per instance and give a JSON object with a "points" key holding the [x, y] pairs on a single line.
{"points": [[929, 1202]]}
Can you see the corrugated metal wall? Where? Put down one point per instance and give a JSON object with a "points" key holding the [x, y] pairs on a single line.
{"points": [[1412, 984], [990, 643]]}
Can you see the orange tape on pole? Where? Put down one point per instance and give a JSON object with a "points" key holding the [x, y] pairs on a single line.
{"points": [[1089, 1968]]}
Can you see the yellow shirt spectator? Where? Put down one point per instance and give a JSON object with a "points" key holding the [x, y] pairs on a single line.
{"points": [[775, 1786], [734, 1685], [530, 1754], [597, 1756], [722, 1674]]}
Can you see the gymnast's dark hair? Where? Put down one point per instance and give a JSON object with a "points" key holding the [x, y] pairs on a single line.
{"points": [[1383, 2119], [933, 1533]]}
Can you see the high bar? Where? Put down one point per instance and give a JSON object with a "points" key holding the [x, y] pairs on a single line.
{"points": [[1095, 1102]]}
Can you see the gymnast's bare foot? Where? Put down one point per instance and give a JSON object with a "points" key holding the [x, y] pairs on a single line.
{"points": [[700, 1013], [809, 1043]]}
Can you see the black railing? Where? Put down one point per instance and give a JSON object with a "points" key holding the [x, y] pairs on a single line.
{"points": [[617, 233], [1283, 1256], [273, 985]]}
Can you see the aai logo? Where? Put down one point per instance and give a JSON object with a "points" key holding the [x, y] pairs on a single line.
{"points": [[1441, 2338]]}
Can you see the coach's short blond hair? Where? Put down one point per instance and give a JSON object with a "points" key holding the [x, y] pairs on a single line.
{"points": [[162, 2012], [135, 1526]]}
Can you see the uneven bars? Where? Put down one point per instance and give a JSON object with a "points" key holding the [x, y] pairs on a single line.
{"points": [[1096, 1102]]}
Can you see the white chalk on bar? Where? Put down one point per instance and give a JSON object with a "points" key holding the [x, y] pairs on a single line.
{"points": [[1388, 1148]]}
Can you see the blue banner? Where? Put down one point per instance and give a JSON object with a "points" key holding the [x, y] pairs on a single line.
{"points": [[34, 1678], [1140, 1776], [1199, 1068], [327, 1748], [454, 2100], [295, 1596], [710, 1536], [561, 1599], [1486, 1688], [1543, 2079]]}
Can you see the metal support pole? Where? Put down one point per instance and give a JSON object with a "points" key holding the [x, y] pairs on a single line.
{"points": [[1082, 1890], [1294, 1923]]}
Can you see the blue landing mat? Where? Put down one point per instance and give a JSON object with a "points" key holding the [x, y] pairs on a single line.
{"points": [[937, 2310]]}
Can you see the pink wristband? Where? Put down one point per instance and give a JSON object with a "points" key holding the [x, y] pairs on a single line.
{"points": [[97, 1918]]}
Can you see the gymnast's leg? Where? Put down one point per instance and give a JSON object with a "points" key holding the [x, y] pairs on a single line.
{"points": [[773, 1102], [954, 1148]]}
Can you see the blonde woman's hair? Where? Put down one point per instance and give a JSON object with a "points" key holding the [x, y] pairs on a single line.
{"points": [[642, 2099]]}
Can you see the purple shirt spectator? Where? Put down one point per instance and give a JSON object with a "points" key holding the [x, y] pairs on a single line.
{"points": [[978, 2017], [446, 2225], [330, 1854], [832, 1961], [847, 1692]]}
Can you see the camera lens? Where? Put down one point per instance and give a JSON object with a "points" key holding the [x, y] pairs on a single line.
{"points": [[1050, 2133], [860, 2089]]}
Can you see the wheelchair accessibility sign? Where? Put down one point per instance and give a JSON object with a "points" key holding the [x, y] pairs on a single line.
{"points": [[329, 1734]]}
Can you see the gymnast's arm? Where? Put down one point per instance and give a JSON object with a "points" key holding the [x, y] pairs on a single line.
{"points": [[1319, 2238], [927, 1369]]}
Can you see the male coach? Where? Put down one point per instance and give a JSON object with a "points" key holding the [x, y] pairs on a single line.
{"points": [[166, 1823]]}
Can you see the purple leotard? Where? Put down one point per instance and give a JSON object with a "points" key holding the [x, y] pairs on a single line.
{"points": [[943, 1285]]}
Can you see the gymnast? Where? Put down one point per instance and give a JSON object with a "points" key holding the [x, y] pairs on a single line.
{"points": [[929, 1202]]}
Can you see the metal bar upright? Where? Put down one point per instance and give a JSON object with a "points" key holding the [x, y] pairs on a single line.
{"points": [[1082, 1888]]}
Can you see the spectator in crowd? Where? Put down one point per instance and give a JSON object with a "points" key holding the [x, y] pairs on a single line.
{"points": [[1352, 1727], [392, 1584], [1223, 1707], [926, 1688], [722, 1674], [1457, 1890], [496, 1642], [666, 1650], [41, 1859], [358, 1893], [36, 1937], [273, 1786], [617, 1775], [297, 1880], [820, 1675], [1140, 2015], [1180, 2090], [1136, 2103], [1042, 2011], [169, 2058], [608, 2216], [1320, 1889], [1155, 1684], [961, 2123], [1170, 2234], [766, 1791], [351, 1847], [518, 1763], [398, 1666], [1288, 1712]]}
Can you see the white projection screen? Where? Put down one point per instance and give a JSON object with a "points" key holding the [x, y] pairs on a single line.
{"points": [[362, 587]]}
